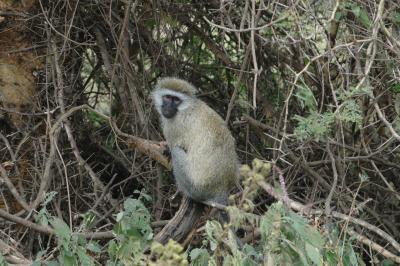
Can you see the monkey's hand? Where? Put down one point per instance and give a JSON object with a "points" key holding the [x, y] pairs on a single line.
{"points": [[164, 148]]}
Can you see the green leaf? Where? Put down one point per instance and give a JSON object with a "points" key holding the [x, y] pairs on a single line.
{"points": [[361, 14], [151, 22], [395, 88], [352, 256], [129, 248], [363, 177], [84, 258], [80, 239], [396, 18], [251, 254], [3, 261], [248, 262], [52, 263], [131, 205], [313, 254], [143, 195], [348, 255], [41, 217], [338, 16], [117, 228], [38, 258], [61, 229], [119, 216], [96, 119], [89, 218], [296, 250], [214, 230], [355, 9], [306, 98], [133, 232], [113, 249], [387, 262], [314, 126], [351, 112], [94, 247], [305, 231], [199, 257], [353, 92], [331, 258], [68, 259], [49, 197]]}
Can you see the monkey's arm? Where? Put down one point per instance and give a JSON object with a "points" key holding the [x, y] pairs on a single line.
{"points": [[181, 172]]}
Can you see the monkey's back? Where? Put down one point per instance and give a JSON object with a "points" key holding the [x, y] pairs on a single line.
{"points": [[210, 169]]}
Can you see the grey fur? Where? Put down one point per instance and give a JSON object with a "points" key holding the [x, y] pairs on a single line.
{"points": [[202, 148]]}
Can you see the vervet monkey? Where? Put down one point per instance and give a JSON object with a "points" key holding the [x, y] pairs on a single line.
{"points": [[202, 148]]}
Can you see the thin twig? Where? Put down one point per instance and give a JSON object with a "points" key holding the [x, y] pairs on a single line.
{"points": [[252, 28], [335, 180], [307, 210], [12, 189]]}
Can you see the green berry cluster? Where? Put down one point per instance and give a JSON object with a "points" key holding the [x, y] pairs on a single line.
{"points": [[251, 175], [169, 255]]}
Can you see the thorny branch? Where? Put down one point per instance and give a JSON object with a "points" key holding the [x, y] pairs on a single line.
{"points": [[91, 123]]}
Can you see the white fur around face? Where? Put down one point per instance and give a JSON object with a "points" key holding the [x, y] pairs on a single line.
{"points": [[159, 93]]}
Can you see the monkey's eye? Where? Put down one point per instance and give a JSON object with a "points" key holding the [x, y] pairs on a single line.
{"points": [[171, 99]]}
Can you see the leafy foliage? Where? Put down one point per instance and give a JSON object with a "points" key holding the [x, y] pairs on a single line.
{"points": [[300, 79], [360, 13], [318, 126], [306, 98], [287, 239], [350, 112], [315, 126], [74, 249], [3, 261], [133, 234]]}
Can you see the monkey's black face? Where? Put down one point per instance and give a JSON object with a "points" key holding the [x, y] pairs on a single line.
{"points": [[170, 105]]}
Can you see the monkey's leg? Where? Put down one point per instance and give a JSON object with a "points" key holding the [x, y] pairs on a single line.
{"points": [[222, 215]]}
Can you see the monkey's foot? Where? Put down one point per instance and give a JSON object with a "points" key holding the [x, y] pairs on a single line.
{"points": [[214, 204], [174, 196]]}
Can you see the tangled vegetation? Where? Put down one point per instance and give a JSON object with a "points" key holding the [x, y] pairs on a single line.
{"points": [[309, 89]]}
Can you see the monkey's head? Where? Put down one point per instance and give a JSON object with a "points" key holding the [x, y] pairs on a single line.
{"points": [[172, 95]]}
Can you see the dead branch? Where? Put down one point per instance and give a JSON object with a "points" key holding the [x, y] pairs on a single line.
{"points": [[150, 148]]}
